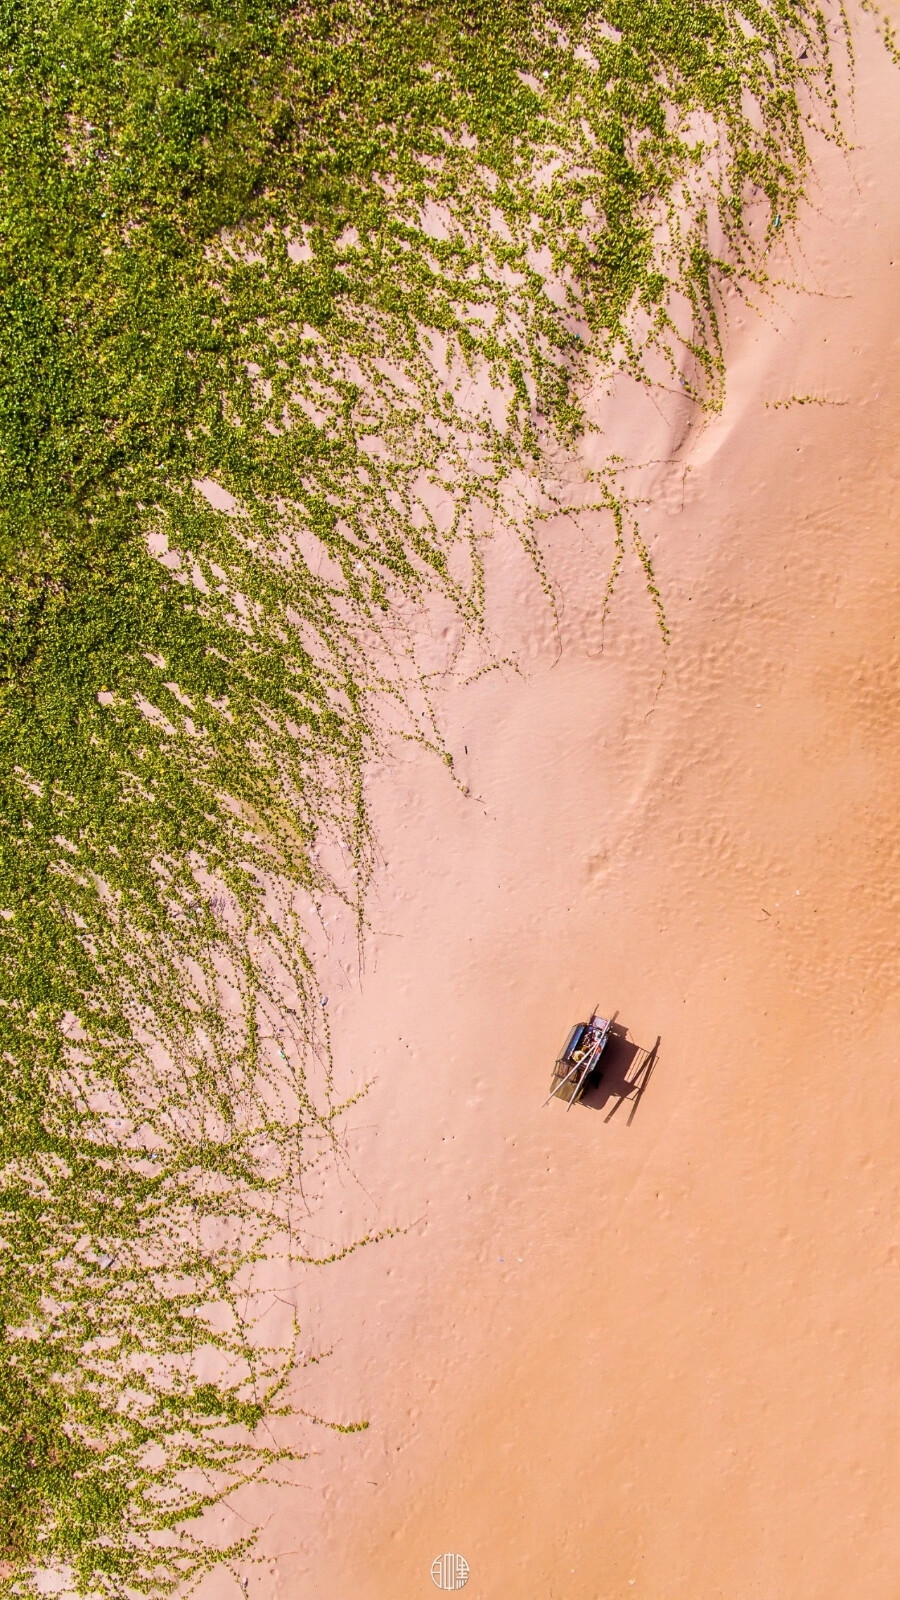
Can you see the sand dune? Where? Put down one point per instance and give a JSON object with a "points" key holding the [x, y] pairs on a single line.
{"points": [[647, 1349]]}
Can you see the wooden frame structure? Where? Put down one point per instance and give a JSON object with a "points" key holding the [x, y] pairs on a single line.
{"points": [[578, 1060]]}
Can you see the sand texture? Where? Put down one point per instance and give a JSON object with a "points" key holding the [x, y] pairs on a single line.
{"points": [[646, 1347]]}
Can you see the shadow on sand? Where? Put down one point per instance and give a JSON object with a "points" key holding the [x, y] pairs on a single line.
{"points": [[627, 1069]]}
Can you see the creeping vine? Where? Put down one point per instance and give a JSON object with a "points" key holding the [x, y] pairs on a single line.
{"points": [[294, 298]]}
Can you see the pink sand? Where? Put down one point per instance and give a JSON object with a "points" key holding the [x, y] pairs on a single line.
{"points": [[651, 1356]]}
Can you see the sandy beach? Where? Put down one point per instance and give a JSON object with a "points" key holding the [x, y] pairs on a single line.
{"points": [[647, 1347]]}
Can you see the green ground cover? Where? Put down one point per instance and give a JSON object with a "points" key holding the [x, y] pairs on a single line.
{"points": [[263, 245]]}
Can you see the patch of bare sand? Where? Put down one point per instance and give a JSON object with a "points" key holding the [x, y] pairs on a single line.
{"points": [[648, 1350]]}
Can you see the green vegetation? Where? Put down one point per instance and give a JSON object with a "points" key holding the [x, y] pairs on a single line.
{"points": [[803, 400], [269, 246]]}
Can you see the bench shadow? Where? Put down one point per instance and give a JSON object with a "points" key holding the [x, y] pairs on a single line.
{"points": [[627, 1070]]}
